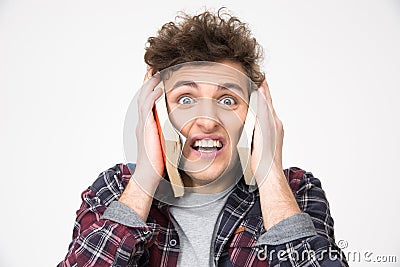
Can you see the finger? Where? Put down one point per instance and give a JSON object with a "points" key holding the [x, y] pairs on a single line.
{"points": [[148, 87], [264, 89], [148, 74], [265, 117], [148, 104], [144, 90], [146, 114]]}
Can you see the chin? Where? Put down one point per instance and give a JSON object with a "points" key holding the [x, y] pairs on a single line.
{"points": [[216, 175], [221, 168], [206, 176]]}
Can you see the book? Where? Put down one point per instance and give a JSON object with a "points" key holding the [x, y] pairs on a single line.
{"points": [[245, 142], [170, 142]]}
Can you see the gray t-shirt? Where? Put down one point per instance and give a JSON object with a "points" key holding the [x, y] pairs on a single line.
{"points": [[195, 219]]}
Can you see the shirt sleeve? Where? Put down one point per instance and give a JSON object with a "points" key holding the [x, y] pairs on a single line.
{"points": [[292, 228], [121, 213], [102, 235], [305, 239]]}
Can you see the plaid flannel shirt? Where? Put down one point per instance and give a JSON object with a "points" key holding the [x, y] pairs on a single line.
{"points": [[241, 238]]}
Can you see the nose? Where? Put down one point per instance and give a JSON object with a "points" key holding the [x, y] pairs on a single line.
{"points": [[207, 117]]}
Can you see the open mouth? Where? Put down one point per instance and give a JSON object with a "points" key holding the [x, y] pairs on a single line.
{"points": [[207, 145]]}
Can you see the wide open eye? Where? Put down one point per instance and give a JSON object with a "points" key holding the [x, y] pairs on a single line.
{"points": [[229, 101], [185, 100]]}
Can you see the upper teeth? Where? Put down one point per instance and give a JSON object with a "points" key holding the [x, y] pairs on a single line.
{"points": [[207, 143]]}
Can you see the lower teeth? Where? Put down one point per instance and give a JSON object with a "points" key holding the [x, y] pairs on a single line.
{"points": [[207, 149]]}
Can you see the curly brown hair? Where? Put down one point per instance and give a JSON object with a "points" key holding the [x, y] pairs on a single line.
{"points": [[205, 37]]}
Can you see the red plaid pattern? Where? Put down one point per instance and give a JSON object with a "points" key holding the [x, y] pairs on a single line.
{"points": [[101, 242]]}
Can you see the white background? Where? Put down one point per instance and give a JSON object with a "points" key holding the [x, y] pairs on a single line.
{"points": [[69, 69]]}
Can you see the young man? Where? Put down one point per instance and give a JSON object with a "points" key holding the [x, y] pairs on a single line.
{"points": [[220, 220]]}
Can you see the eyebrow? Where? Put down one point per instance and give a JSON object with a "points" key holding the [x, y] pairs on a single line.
{"points": [[233, 86], [224, 86]]}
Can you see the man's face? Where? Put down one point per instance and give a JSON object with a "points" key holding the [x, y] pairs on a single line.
{"points": [[208, 105]]}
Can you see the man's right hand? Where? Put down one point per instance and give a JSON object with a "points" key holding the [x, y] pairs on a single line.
{"points": [[150, 161], [138, 195]]}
